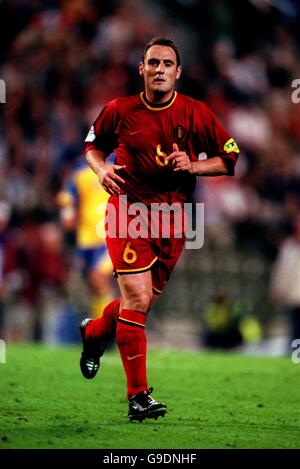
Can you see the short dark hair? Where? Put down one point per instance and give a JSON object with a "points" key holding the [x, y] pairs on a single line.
{"points": [[162, 41]]}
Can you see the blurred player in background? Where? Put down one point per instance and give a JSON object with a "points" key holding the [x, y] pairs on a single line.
{"points": [[82, 203], [157, 137]]}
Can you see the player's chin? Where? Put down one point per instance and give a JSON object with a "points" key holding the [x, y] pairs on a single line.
{"points": [[161, 88]]}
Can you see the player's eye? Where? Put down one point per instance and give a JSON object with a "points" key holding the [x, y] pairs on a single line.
{"points": [[153, 62]]}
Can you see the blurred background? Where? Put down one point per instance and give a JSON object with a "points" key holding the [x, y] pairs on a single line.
{"points": [[61, 62]]}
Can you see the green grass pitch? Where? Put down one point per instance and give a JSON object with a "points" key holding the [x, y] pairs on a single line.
{"points": [[214, 400]]}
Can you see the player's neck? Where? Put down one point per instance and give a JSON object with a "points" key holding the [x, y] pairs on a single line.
{"points": [[158, 98]]}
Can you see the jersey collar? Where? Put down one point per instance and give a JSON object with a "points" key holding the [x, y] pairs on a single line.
{"points": [[157, 107]]}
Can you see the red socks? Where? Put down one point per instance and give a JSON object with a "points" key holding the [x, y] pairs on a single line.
{"points": [[106, 323], [132, 343], [131, 340]]}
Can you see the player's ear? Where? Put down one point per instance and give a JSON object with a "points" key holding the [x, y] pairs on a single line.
{"points": [[178, 72], [141, 69]]}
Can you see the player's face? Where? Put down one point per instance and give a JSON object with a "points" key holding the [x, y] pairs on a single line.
{"points": [[160, 72]]}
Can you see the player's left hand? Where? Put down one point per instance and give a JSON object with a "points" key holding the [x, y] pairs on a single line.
{"points": [[180, 160]]}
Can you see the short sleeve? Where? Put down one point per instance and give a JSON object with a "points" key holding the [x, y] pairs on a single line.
{"points": [[216, 140], [102, 135]]}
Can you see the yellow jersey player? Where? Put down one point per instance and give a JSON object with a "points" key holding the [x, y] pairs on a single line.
{"points": [[82, 202]]}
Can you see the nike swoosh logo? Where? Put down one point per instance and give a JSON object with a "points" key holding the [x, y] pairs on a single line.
{"points": [[135, 356], [134, 133]]}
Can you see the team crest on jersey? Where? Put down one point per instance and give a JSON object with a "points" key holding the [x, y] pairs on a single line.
{"points": [[230, 146], [179, 136]]}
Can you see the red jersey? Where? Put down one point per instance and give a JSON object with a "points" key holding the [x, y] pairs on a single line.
{"points": [[142, 135]]}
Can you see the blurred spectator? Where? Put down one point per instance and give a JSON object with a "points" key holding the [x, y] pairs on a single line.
{"points": [[221, 324], [227, 323], [44, 262], [7, 264]]}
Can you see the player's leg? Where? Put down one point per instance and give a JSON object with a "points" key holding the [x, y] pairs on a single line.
{"points": [[137, 299], [136, 291], [95, 332], [135, 294]]}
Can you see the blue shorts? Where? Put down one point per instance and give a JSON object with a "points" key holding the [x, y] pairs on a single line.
{"points": [[94, 258]]}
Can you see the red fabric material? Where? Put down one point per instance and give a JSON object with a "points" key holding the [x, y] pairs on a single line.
{"points": [[166, 250], [137, 317], [127, 126], [132, 345]]}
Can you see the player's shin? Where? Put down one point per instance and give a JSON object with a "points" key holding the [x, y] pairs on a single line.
{"points": [[132, 343]]}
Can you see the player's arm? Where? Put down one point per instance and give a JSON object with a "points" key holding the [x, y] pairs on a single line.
{"points": [[215, 166], [99, 143], [221, 149], [106, 172]]}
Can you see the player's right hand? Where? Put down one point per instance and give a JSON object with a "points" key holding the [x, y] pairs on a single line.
{"points": [[109, 178], [180, 160]]}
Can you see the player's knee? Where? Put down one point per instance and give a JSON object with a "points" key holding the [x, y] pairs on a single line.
{"points": [[140, 301]]}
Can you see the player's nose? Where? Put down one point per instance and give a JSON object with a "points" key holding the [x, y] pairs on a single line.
{"points": [[160, 68]]}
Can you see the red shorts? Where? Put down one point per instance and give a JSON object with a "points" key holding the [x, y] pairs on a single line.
{"points": [[132, 254]]}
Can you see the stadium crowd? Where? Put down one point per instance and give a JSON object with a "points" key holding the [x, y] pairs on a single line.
{"points": [[62, 60]]}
